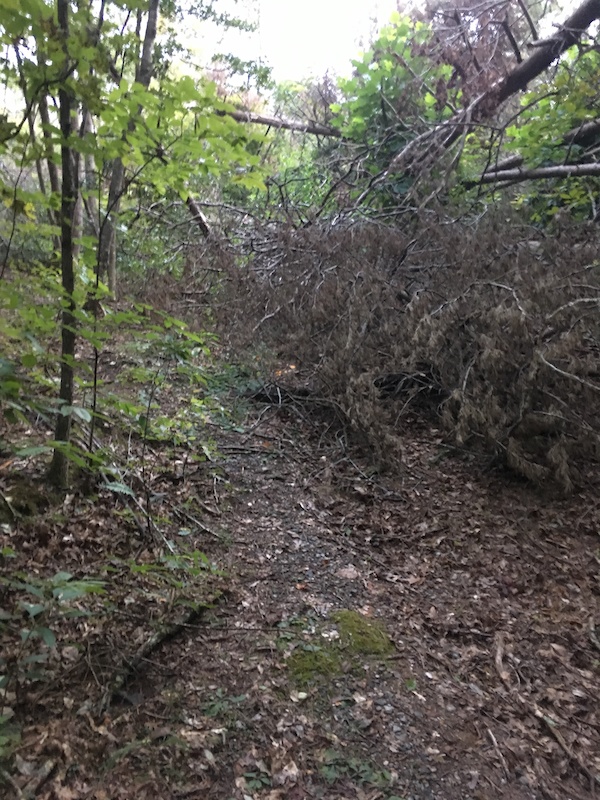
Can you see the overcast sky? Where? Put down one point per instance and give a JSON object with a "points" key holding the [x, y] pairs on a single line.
{"points": [[307, 37], [310, 36]]}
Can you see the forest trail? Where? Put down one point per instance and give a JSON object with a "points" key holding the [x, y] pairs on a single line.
{"points": [[427, 637]]}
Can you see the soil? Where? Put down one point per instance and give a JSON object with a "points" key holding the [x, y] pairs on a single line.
{"points": [[468, 669]]}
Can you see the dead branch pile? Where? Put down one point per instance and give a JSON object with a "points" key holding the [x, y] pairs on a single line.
{"points": [[492, 325]]}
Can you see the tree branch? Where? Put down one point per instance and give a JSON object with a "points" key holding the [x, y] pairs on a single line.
{"points": [[441, 138], [540, 173], [275, 122]]}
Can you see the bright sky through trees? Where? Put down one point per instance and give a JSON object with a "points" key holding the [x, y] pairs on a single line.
{"points": [[315, 35], [308, 37]]}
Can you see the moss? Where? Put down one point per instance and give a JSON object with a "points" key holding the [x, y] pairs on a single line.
{"points": [[362, 636], [358, 637], [306, 666]]}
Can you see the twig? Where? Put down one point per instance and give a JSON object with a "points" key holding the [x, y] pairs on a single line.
{"points": [[129, 665], [499, 753], [568, 374], [556, 734], [499, 655], [180, 512], [11, 781], [573, 303]]}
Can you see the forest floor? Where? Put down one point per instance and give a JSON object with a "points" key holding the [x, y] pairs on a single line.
{"points": [[433, 635]]}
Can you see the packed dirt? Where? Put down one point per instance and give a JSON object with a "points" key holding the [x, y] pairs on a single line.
{"points": [[433, 635]]}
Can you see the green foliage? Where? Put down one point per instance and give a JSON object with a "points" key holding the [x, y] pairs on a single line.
{"points": [[167, 353], [357, 638], [397, 88], [221, 704], [31, 610], [554, 107], [174, 137], [311, 663], [360, 635], [336, 766], [541, 133]]}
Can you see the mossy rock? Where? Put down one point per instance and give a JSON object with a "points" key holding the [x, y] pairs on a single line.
{"points": [[309, 665], [362, 636]]}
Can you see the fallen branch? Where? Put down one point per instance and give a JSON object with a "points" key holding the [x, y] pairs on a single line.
{"points": [[541, 173], [129, 665], [442, 137], [314, 128]]}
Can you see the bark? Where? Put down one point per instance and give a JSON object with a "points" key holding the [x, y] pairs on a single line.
{"points": [[78, 210], [59, 468], [547, 52], [107, 247], [46, 125], [198, 216], [90, 180], [144, 70]]}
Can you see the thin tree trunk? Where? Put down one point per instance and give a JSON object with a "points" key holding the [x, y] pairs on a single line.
{"points": [[90, 180], [39, 165], [50, 163], [46, 126], [59, 468], [107, 246], [78, 210], [108, 234]]}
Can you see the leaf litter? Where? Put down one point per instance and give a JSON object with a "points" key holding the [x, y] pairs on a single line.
{"points": [[180, 685]]}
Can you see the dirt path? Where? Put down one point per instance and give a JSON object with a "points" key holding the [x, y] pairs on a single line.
{"points": [[430, 638], [488, 594]]}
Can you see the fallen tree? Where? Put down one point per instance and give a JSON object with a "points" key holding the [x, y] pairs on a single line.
{"points": [[426, 148]]}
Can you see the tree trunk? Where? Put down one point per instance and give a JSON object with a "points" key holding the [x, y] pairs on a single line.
{"points": [[107, 243], [108, 234], [59, 468], [90, 180]]}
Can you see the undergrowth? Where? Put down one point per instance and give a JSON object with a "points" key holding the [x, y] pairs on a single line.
{"points": [[114, 563], [490, 325]]}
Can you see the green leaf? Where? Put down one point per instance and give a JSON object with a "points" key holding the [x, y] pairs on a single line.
{"points": [[61, 577], [119, 488], [33, 609], [82, 413], [29, 452], [46, 636], [71, 591]]}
